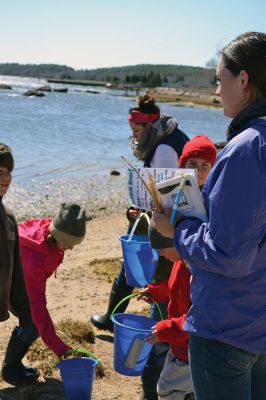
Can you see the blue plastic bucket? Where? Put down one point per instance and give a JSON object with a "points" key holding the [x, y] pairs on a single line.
{"points": [[140, 260], [77, 377], [131, 350]]}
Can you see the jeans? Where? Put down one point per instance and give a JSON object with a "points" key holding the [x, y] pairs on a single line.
{"points": [[224, 372]]}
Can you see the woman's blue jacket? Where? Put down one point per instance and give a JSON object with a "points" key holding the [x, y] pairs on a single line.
{"points": [[227, 255]]}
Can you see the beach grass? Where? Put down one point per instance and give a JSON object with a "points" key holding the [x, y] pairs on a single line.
{"points": [[76, 334], [107, 268]]}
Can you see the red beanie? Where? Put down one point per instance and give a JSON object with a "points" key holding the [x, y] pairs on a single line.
{"points": [[199, 146]]}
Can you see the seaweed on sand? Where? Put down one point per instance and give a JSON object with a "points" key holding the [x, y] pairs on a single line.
{"points": [[76, 334]]}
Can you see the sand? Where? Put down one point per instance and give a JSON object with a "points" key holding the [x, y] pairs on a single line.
{"points": [[78, 292]]}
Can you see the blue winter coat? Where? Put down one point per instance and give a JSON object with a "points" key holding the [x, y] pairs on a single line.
{"points": [[227, 255]]}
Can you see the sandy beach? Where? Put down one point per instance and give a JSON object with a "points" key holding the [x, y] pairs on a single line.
{"points": [[77, 292]]}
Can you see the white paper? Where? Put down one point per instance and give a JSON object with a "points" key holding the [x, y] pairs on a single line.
{"points": [[191, 203]]}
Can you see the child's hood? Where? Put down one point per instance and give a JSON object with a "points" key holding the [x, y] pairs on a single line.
{"points": [[33, 234]]}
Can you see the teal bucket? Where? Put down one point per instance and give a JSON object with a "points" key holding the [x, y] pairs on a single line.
{"points": [[77, 376], [139, 258], [131, 350]]}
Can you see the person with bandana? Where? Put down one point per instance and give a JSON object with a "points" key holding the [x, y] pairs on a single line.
{"points": [[156, 140], [158, 143]]}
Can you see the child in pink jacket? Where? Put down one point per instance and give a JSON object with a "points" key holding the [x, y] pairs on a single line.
{"points": [[42, 245]]}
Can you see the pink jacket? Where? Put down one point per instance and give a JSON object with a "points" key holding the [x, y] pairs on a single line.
{"points": [[39, 261]]}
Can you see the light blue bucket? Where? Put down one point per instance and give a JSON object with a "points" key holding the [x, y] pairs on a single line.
{"points": [[139, 258], [131, 351], [77, 376]]}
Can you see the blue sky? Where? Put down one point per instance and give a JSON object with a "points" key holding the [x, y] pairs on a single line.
{"points": [[103, 33]]}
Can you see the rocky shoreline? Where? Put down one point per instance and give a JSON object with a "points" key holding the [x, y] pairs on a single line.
{"points": [[189, 98], [99, 195]]}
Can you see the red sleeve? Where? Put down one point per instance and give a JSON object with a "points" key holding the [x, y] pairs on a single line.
{"points": [[171, 330], [159, 291], [36, 286]]}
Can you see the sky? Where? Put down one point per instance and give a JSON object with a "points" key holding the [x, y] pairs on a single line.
{"points": [[88, 34]]}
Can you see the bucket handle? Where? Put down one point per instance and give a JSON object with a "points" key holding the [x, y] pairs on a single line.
{"points": [[134, 295], [136, 223], [84, 351]]}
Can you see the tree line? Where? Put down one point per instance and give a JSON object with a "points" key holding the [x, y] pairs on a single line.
{"points": [[142, 74]]}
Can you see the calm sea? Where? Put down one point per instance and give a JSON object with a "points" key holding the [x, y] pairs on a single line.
{"points": [[79, 134]]}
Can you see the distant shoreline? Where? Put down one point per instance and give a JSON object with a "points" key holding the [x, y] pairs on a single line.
{"points": [[77, 82], [177, 97]]}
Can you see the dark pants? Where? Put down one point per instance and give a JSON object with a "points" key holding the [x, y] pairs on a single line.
{"points": [[155, 363]]}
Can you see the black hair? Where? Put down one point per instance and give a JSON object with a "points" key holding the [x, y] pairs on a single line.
{"points": [[248, 52], [146, 104], [6, 157]]}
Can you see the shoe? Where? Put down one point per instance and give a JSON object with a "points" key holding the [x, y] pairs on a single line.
{"points": [[13, 371], [18, 375], [117, 294], [102, 322]]}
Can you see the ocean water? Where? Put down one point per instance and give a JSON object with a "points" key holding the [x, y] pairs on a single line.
{"points": [[79, 134]]}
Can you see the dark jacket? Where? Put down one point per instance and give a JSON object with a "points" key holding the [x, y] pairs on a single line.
{"points": [[176, 139], [13, 293]]}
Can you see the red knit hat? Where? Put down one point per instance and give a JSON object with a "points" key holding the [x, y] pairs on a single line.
{"points": [[199, 146]]}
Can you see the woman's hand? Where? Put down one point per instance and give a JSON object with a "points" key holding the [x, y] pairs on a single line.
{"points": [[153, 337], [162, 224], [143, 297]]}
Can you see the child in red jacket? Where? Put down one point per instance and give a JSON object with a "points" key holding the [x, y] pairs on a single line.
{"points": [[175, 381], [42, 246]]}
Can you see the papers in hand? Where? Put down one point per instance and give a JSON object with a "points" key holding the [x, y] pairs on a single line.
{"points": [[167, 180]]}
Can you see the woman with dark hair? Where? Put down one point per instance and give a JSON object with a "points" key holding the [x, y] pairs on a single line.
{"points": [[157, 142], [227, 255]]}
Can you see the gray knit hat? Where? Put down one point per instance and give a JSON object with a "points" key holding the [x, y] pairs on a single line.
{"points": [[68, 227], [157, 240]]}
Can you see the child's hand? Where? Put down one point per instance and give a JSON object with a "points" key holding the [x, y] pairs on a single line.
{"points": [[143, 297], [68, 353], [133, 214], [162, 224], [153, 337]]}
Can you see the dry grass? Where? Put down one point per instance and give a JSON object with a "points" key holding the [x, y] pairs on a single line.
{"points": [[76, 334], [186, 99], [106, 269]]}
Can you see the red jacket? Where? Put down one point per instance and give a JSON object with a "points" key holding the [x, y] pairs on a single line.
{"points": [[176, 291], [40, 260]]}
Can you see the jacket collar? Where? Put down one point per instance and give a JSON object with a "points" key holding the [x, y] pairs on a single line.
{"points": [[252, 111]]}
